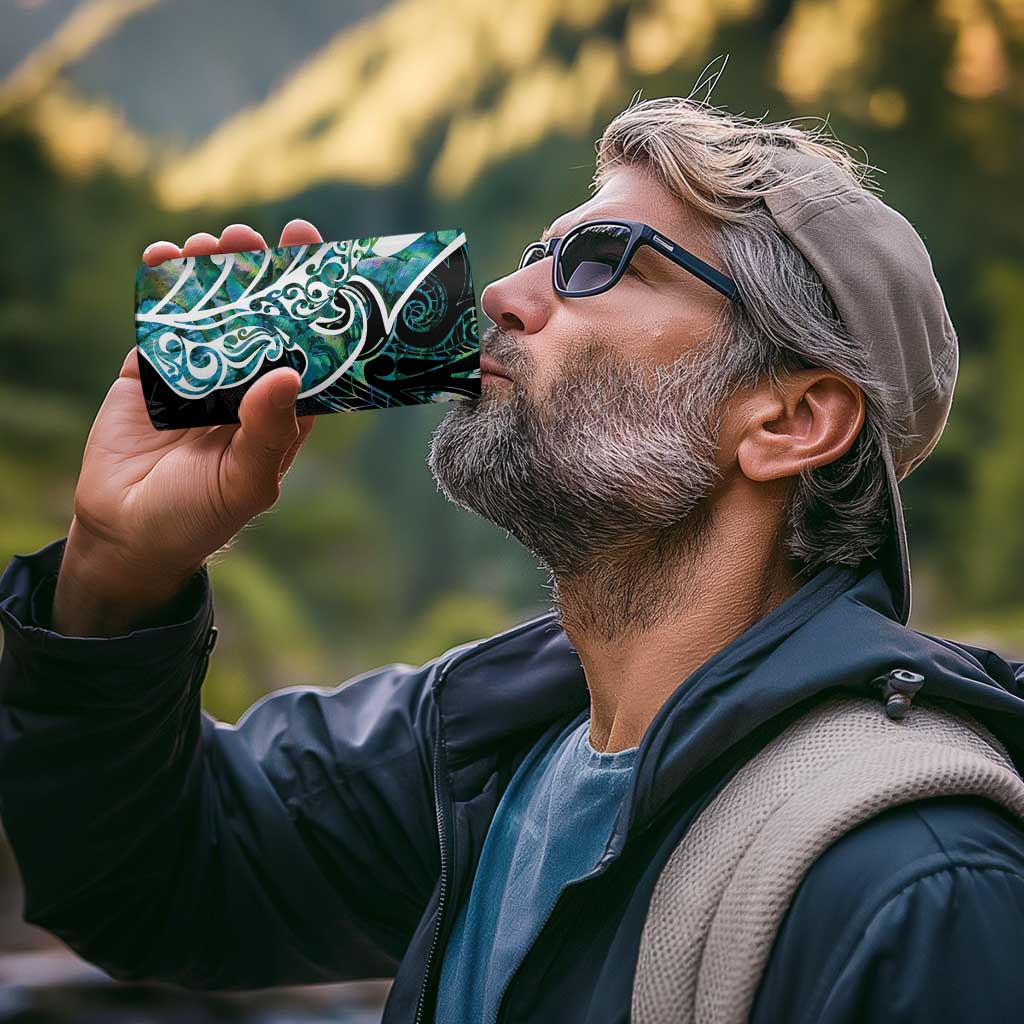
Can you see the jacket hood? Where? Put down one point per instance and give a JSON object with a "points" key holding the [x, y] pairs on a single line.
{"points": [[837, 633]]}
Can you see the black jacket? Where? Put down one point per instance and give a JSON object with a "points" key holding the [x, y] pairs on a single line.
{"points": [[333, 833]]}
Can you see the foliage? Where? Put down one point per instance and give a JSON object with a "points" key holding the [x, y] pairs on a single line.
{"points": [[363, 562]]}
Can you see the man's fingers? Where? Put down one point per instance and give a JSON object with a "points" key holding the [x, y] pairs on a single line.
{"points": [[269, 437], [234, 238], [268, 430], [241, 238], [202, 243], [155, 254], [299, 232]]}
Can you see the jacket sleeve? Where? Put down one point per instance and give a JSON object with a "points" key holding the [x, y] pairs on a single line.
{"points": [[914, 918], [299, 846]]}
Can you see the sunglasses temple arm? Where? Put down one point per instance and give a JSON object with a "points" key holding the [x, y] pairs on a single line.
{"points": [[696, 266]]}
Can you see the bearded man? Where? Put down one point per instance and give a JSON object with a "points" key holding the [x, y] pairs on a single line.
{"points": [[700, 391]]}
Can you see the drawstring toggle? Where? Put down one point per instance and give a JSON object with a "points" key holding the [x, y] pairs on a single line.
{"points": [[899, 687]]}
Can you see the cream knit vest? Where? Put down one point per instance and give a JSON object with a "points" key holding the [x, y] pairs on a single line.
{"points": [[722, 894]]}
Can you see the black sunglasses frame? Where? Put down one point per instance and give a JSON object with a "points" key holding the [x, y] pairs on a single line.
{"points": [[639, 234]]}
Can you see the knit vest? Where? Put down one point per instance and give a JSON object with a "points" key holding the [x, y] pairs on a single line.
{"points": [[726, 887]]}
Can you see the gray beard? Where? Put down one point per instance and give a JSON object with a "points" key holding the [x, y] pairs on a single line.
{"points": [[605, 479]]}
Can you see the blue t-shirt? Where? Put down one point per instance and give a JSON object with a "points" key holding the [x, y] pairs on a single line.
{"points": [[550, 827]]}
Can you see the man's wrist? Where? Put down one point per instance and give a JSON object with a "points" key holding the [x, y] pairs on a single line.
{"points": [[100, 593]]}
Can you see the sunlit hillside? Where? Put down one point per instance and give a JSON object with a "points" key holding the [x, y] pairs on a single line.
{"points": [[125, 121], [446, 89]]}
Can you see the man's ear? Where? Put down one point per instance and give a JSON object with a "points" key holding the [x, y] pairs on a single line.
{"points": [[810, 420]]}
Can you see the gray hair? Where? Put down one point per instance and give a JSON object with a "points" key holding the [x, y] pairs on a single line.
{"points": [[721, 165]]}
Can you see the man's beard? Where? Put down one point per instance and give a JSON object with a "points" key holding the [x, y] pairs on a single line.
{"points": [[606, 479]]}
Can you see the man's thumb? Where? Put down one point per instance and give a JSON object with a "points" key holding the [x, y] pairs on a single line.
{"points": [[283, 390], [268, 430]]}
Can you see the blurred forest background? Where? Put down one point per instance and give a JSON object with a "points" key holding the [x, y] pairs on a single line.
{"points": [[127, 121]]}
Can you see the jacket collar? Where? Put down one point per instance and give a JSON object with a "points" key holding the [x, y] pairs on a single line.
{"points": [[840, 630]]}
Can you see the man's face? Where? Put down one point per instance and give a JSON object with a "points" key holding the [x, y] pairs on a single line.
{"points": [[603, 440], [655, 313]]}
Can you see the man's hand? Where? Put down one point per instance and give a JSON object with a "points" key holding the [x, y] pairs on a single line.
{"points": [[152, 505]]}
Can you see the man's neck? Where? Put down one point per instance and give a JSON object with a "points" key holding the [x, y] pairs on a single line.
{"points": [[640, 626]]}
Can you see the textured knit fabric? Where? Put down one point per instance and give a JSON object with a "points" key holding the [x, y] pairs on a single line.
{"points": [[719, 901], [550, 828]]}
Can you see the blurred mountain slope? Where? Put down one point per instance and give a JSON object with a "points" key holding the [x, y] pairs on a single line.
{"points": [[27, 24], [122, 83], [374, 93], [223, 103], [420, 114]]}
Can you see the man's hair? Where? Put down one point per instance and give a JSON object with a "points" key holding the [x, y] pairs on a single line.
{"points": [[721, 165]]}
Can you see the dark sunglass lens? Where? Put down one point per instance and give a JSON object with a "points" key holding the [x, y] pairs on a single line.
{"points": [[591, 256], [531, 254]]}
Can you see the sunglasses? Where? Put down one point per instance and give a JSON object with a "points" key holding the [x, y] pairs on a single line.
{"points": [[594, 255]]}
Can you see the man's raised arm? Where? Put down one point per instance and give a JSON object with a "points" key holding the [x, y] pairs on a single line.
{"points": [[299, 846]]}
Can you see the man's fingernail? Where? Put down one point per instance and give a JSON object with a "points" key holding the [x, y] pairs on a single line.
{"points": [[284, 395]]}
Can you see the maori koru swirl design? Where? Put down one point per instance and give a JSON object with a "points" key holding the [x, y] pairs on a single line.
{"points": [[367, 323]]}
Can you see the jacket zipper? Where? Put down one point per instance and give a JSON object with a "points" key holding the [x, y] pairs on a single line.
{"points": [[443, 885], [593, 873], [441, 832], [599, 869], [199, 677], [547, 917]]}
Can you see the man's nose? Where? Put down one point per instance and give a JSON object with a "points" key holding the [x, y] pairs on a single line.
{"points": [[519, 301]]}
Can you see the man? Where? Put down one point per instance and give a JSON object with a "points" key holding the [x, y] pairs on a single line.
{"points": [[695, 409]]}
